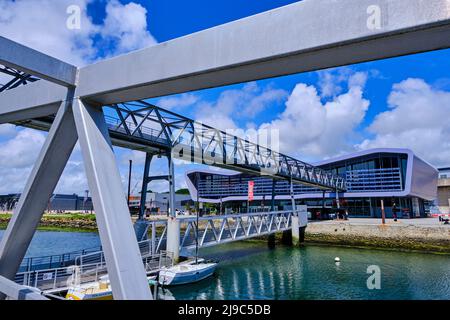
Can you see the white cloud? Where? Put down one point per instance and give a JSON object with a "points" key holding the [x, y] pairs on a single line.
{"points": [[7, 131], [178, 101], [242, 103], [17, 155], [73, 179], [21, 151], [417, 119], [126, 27], [311, 129], [42, 25]]}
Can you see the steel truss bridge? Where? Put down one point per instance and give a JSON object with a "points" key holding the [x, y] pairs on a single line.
{"points": [[72, 104], [51, 273], [146, 127], [216, 230], [15, 78]]}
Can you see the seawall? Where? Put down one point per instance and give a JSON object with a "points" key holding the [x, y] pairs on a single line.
{"points": [[400, 235]]}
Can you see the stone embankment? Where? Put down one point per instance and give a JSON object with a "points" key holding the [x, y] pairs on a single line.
{"points": [[422, 235]]}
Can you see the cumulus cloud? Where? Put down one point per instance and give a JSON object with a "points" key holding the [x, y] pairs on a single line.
{"points": [[42, 25], [126, 27], [312, 129], [417, 119], [21, 150], [178, 102], [17, 155], [242, 104]]}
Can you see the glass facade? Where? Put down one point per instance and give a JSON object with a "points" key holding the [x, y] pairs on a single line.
{"points": [[375, 172]]}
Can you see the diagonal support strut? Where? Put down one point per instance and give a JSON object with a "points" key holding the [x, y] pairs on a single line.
{"points": [[125, 268], [38, 190]]}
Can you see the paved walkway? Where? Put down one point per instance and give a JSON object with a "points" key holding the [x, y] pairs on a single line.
{"points": [[420, 222]]}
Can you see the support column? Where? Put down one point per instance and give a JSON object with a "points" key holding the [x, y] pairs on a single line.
{"points": [[272, 204], [338, 205], [39, 188], [271, 240], [286, 237], [295, 231], [294, 209], [171, 186], [173, 238], [153, 238], [173, 224], [123, 259], [145, 180]]}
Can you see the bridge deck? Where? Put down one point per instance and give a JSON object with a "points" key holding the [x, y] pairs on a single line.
{"points": [[145, 127], [41, 272]]}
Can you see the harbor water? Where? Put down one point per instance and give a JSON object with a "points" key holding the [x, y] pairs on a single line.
{"points": [[249, 270]]}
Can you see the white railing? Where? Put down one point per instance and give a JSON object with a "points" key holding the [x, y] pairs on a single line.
{"points": [[214, 230], [60, 278]]}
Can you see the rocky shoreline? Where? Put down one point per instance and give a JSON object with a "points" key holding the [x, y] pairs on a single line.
{"points": [[387, 237], [63, 223]]}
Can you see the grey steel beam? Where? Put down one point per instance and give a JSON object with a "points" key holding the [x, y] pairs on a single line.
{"points": [[40, 186], [304, 36], [15, 55], [171, 186], [145, 181], [17, 292], [38, 99], [122, 255]]}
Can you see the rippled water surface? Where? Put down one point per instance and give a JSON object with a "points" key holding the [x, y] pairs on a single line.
{"points": [[252, 271], [46, 243]]}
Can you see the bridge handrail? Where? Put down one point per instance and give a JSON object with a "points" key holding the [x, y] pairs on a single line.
{"points": [[239, 215], [28, 262], [59, 277]]}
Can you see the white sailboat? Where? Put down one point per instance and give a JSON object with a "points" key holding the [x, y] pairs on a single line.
{"points": [[185, 273], [189, 271]]}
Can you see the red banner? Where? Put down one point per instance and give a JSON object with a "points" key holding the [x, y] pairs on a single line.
{"points": [[251, 185]]}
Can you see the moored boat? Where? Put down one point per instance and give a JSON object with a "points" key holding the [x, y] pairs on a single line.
{"points": [[185, 273], [100, 290]]}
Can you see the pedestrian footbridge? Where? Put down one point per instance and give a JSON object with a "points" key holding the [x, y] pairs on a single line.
{"points": [[55, 273]]}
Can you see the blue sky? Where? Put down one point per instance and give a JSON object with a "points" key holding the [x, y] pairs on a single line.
{"points": [[399, 102]]}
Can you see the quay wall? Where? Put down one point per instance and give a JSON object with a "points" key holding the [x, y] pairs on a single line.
{"points": [[391, 236]]}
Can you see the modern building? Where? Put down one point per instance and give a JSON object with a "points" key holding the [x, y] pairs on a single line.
{"points": [[157, 203], [58, 202], [392, 175], [443, 197]]}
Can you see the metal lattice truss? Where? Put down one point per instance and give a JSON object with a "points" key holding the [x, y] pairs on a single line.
{"points": [[215, 230], [13, 78], [288, 40], [192, 141]]}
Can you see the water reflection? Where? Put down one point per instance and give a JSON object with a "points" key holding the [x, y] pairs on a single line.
{"points": [[311, 273], [251, 271]]}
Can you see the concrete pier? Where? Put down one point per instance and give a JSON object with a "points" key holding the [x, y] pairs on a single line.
{"points": [[295, 231], [173, 238], [287, 238], [271, 241]]}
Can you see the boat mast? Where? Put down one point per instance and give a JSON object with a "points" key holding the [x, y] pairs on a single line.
{"points": [[197, 178]]}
